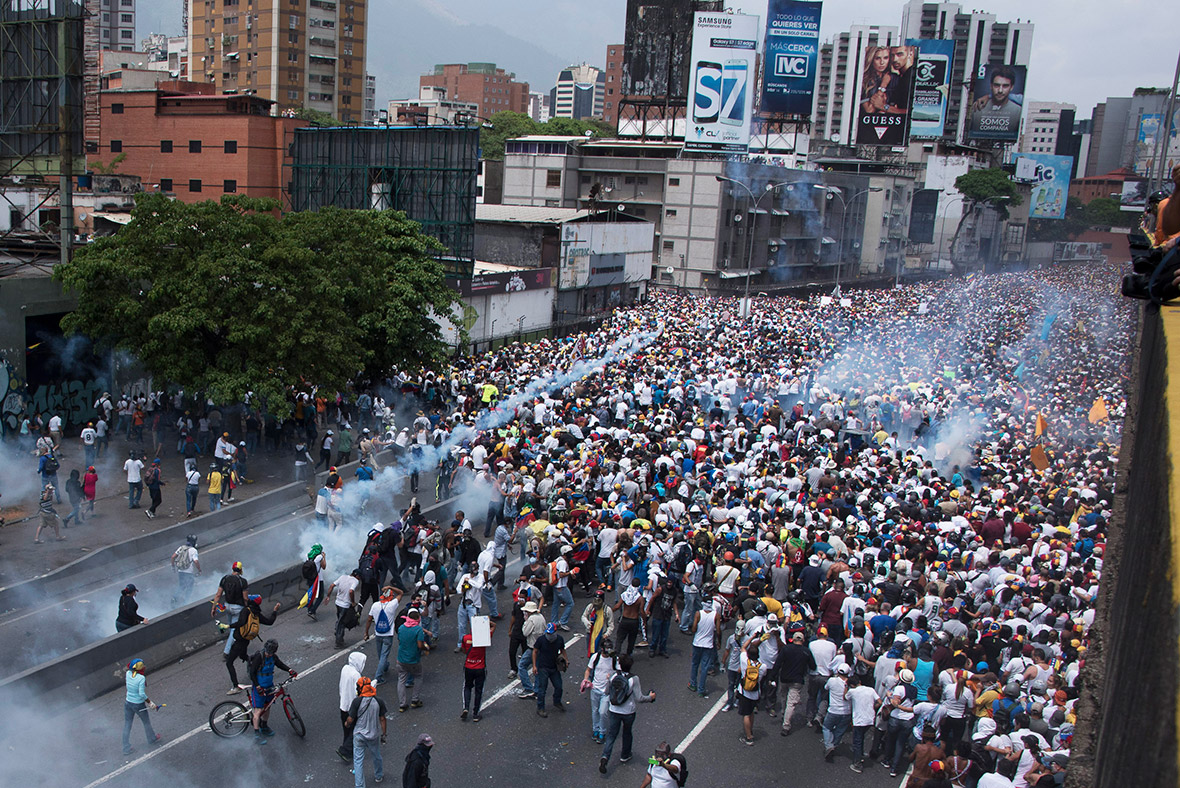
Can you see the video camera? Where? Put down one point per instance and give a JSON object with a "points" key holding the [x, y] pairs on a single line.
{"points": [[1154, 272]]}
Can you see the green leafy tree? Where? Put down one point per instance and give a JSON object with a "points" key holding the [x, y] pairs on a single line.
{"points": [[1105, 212], [226, 297], [984, 188], [314, 116]]}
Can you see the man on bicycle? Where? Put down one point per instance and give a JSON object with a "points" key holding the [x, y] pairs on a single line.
{"points": [[262, 679]]}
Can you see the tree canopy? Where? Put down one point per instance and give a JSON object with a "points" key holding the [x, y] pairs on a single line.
{"points": [[228, 298], [989, 186], [508, 125], [1102, 212]]}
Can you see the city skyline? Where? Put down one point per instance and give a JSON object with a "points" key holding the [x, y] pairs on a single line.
{"points": [[1061, 68]]}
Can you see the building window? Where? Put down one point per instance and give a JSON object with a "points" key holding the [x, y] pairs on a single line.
{"points": [[294, 22], [230, 187], [673, 181], [126, 19], [116, 109], [194, 184], [669, 246], [292, 57], [231, 146], [552, 178], [670, 212], [165, 146], [630, 179], [194, 146], [116, 146], [165, 184], [126, 34]]}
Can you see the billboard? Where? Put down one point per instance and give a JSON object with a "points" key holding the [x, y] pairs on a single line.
{"points": [[504, 282], [886, 92], [1134, 196], [1049, 176], [724, 48], [932, 87], [792, 56], [997, 101], [656, 47], [597, 254]]}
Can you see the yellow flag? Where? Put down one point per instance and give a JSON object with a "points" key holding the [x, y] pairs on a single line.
{"points": [[1098, 411], [1039, 458], [1042, 425]]}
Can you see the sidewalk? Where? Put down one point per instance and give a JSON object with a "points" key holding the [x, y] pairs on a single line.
{"points": [[112, 521]]}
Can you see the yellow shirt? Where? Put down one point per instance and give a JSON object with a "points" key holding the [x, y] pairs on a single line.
{"points": [[214, 482]]}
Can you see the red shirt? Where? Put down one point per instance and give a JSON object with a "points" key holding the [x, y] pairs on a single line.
{"points": [[476, 655]]}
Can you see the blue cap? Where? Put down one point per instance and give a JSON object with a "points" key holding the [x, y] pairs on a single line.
{"points": [[550, 629]]}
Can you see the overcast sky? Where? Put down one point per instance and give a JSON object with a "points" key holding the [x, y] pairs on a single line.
{"points": [[1083, 50]]}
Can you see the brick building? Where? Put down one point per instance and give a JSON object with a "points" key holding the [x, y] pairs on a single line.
{"points": [[614, 84], [297, 55], [187, 140], [489, 88]]}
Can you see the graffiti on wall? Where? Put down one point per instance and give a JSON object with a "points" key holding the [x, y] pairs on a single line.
{"points": [[73, 400]]}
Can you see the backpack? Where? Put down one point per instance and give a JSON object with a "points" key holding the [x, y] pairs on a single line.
{"points": [[182, 559], [750, 680], [51, 464], [309, 570], [682, 767], [367, 564], [680, 560], [249, 630], [1003, 714], [410, 537], [384, 625], [620, 688]]}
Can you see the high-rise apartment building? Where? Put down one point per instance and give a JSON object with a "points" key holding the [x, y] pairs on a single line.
{"points": [[491, 89], [540, 107], [114, 22], [614, 84], [1126, 133], [1042, 120], [979, 40], [370, 100], [840, 64], [299, 54], [579, 93]]}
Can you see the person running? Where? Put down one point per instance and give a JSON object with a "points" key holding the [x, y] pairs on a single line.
{"points": [[137, 703], [603, 664], [624, 693], [345, 588], [262, 666], [230, 596], [314, 570]]}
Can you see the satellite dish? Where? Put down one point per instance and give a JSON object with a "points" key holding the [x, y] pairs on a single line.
{"points": [[588, 134], [669, 270], [81, 216], [622, 207]]}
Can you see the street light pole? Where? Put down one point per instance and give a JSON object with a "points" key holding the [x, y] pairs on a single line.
{"points": [[770, 187], [836, 191]]}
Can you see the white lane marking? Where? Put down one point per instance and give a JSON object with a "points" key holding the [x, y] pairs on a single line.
{"points": [[204, 727], [700, 726], [906, 777], [516, 682]]}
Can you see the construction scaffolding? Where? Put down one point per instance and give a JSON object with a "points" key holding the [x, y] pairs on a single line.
{"points": [[428, 173], [41, 89]]}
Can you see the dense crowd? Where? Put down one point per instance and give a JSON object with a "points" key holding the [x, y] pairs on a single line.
{"points": [[882, 515]]}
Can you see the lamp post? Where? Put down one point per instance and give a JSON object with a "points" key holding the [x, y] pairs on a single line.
{"points": [[836, 191], [770, 187]]}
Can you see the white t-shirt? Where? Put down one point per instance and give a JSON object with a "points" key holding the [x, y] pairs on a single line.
{"points": [[390, 610], [134, 470], [192, 560], [55, 424], [743, 663], [861, 700], [562, 566], [89, 436], [836, 690], [601, 669], [345, 584], [607, 538], [660, 778]]}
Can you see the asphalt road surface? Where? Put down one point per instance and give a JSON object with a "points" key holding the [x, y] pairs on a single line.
{"points": [[33, 634], [509, 746]]}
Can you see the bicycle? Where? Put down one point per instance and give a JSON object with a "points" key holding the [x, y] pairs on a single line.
{"points": [[231, 718]]}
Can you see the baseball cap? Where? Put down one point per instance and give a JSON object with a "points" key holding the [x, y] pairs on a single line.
{"points": [[237, 567], [843, 669], [425, 739]]}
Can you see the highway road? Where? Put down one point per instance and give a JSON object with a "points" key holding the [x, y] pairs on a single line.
{"points": [[510, 746]]}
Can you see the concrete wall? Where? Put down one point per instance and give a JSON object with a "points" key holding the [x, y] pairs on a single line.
{"points": [[1127, 730], [509, 243]]}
